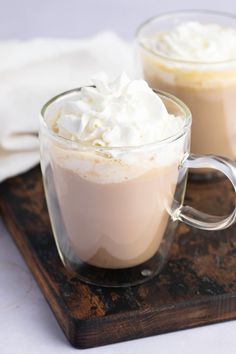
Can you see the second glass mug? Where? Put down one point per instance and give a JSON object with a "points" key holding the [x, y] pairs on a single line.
{"points": [[208, 88], [114, 210]]}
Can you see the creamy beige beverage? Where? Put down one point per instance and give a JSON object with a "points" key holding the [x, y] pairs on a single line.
{"points": [[115, 204], [120, 224], [197, 63]]}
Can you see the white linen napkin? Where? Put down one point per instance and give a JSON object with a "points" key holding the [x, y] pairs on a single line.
{"points": [[31, 72]]}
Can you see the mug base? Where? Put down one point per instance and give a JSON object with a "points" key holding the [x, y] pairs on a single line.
{"points": [[115, 278], [123, 277]]}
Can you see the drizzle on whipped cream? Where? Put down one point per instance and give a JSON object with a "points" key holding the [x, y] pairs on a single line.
{"points": [[194, 41], [121, 113]]}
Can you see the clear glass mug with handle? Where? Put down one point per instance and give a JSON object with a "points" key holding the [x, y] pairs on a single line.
{"points": [[114, 211], [208, 87]]}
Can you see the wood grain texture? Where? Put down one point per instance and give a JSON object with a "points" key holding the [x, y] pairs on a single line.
{"points": [[196, 287]]}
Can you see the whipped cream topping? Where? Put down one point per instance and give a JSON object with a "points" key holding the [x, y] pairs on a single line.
{"points": [[117, 114], [196, 42]]}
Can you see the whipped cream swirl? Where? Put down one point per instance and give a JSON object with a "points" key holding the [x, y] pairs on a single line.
{"points": [[117, 114], [193, 41]]}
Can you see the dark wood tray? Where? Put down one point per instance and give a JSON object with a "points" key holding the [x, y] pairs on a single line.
{"points": [[196, 287]]}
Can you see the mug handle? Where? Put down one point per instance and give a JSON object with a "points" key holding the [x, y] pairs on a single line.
{"points": [[198, 219]]}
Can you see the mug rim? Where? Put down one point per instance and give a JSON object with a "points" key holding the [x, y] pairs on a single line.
{"points": [[171, 14], [88, 147]]}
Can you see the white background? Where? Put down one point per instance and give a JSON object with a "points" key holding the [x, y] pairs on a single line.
{"points": [[27, 325], [81, 18]]}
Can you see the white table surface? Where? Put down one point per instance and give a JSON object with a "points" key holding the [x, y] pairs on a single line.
{"points": [[27, 324]]}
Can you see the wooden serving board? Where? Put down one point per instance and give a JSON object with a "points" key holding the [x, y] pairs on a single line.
{"points": [[196, 287]]}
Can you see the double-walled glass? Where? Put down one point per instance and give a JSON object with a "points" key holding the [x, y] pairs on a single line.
{"points": [[114, 211], [208, 88]]}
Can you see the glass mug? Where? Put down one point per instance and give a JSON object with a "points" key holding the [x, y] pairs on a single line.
{"points": [[208, 88], [114, 211]]}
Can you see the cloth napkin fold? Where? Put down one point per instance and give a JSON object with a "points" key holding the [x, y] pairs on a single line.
{"points": [[31, 72]]}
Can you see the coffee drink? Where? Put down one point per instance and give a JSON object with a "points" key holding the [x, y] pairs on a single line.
{"points": [[114, 188], [115, 225], [197, 63]]}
